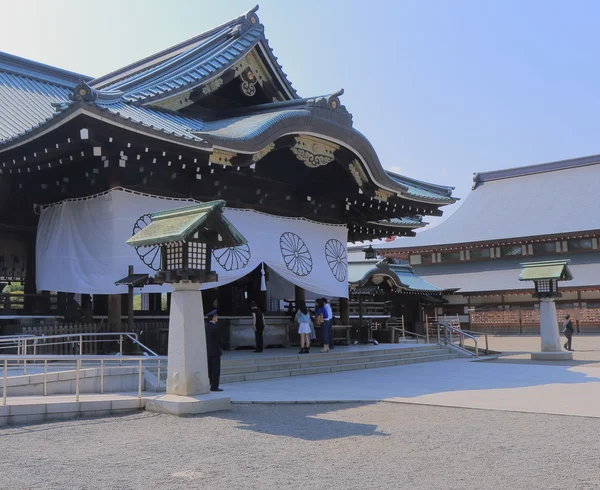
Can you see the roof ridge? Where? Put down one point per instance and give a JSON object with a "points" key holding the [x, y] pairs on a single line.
{"points": [[481, 177], [419, 183], [126, 70], [39, 71]]}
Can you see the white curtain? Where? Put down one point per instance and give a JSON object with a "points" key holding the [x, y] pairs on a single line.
{"points": [[81, 246]]}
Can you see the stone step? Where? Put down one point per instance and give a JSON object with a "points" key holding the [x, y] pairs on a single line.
{"points": [[309, 361], [260, 359], [359, 364]]}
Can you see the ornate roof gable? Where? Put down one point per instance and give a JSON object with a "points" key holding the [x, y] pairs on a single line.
{"points": [[235, 50]]}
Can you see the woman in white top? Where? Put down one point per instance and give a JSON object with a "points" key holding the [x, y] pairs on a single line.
{"points": [[303, 321]]}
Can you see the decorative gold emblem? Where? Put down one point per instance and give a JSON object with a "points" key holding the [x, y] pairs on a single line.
{"points": [[314, 152], [212, 86], [357, 172], [262, 153], [382, 195], [221, 157]]}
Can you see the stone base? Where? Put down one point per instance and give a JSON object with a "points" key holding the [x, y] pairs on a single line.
{"points": [[552, 356], [188, 405]]}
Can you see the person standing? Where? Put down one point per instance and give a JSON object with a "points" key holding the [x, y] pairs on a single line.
{"points": [[303, 321], [213, 350], [326, 327], [568, 331], [258, 323], [329, 311]]}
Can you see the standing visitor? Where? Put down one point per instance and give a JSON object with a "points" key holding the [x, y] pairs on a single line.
{"points": [[303, 321], [568, 331], [213, 350], [326, 327], [258, 323], [329, 311]]}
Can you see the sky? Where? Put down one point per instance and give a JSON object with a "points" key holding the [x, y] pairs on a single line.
{"points": [[442, 89]]}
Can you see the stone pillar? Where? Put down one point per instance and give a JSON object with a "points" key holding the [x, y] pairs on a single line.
{"points": [[550, 334], [187, 373], [344, 311], [114, 312], [549, 326]]}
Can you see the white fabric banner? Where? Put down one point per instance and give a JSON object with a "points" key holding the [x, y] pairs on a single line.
{"points": [[81, 246]]}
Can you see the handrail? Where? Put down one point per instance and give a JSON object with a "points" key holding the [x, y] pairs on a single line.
{"points": [[461, 334], [479, 334], [407, 332], [140, 360], [22, 342]]}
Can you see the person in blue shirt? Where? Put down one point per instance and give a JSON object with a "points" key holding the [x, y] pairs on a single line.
{"points": [[326, 327]]}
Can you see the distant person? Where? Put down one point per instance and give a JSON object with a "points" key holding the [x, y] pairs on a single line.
{"points": [[326, 326], [329, 311], [258, 323], [303, 321], [568, 331], [213, 350]]}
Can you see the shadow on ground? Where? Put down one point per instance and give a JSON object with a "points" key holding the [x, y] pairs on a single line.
{"points": [[306, 422]]}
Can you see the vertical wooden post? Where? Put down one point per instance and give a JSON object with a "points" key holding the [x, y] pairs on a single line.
{"points": [[130, 302], [30, 301], [300, 295], [114, 312], [344, 311]]}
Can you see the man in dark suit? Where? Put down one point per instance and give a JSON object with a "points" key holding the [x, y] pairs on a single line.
{"points": [[213, 350]]}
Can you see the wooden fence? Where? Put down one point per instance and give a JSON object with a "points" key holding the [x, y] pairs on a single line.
{"points": [[153, 334], [528, 320]]}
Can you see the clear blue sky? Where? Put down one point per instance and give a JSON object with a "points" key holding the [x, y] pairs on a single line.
{"points": [[442, 89]]}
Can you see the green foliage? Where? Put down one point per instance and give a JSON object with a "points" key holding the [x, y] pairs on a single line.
{"points": [[15, 287]]}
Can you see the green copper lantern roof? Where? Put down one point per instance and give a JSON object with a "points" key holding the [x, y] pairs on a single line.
{"points": [[204, 222], [545, 270]]}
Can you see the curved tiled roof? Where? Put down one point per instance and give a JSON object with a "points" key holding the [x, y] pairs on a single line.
{"points": [[34, 96], [166, 121], [26, 103], [416, 188], [191, 63], [404, 222]]}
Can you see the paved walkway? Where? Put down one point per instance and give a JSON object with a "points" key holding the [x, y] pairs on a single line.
{"points": [[508, 385], [566, 390]]}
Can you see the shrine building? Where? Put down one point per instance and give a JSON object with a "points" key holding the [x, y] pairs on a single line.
{"points": [[525, 214], [85, 160]]}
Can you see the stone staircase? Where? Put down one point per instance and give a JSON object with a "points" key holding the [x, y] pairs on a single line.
{"points": [[251, 369]]}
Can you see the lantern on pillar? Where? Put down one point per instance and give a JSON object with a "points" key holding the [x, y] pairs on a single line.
{"points": [[545, 276], [186, 237]]}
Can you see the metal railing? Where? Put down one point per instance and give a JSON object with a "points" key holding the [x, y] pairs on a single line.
{"points": [[405, 332], [26, 342], [5, 362], [447, 338]]}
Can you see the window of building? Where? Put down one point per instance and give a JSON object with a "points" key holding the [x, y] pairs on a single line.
{"points": [[511, 251], [544, 248], [479, 253], [420, 259], [450, 256], [580, 244]]}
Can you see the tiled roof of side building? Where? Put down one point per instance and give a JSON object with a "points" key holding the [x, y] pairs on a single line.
{"points": [[549, 199]]}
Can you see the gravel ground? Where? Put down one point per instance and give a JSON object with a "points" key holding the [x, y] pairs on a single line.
{"points": [[336, 446]]}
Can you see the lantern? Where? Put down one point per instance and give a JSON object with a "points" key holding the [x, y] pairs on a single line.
{"points": [[186, 237]]}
